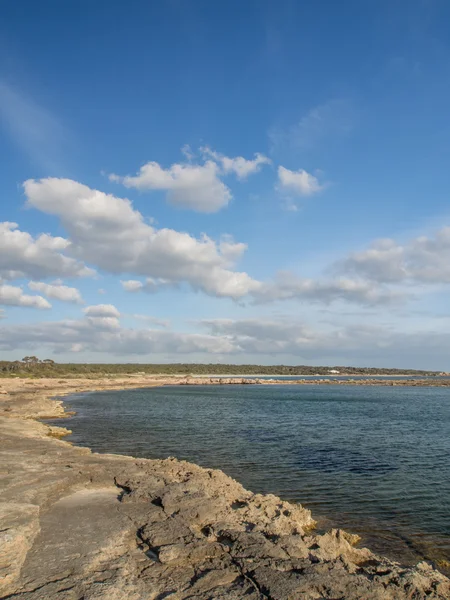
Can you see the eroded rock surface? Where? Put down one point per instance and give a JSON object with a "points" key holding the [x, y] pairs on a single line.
{"points": [[82, 526]]}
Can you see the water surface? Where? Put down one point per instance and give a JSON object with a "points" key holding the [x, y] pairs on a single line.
{"points": [[373, 460]]}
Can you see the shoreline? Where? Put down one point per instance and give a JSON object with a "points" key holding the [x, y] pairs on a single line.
{"points": [[250, 380], [317, 376], [138, 381], [168, 525]]}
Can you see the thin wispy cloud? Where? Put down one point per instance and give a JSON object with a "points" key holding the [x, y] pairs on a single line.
{"points": [[32, 128], [331, 119]]}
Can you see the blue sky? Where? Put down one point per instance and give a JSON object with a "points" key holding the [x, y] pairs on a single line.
{"points": [[226, 182]]}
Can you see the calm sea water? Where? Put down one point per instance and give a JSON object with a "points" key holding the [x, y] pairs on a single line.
{"points": [[373, 460]]}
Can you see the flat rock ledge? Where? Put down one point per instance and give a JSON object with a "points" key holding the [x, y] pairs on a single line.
{"points": [[76, 525]]}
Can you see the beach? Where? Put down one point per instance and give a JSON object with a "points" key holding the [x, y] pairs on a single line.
{"points": [[76, 524]]}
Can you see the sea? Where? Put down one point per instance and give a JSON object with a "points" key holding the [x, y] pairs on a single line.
{"points": [[372, 460]]}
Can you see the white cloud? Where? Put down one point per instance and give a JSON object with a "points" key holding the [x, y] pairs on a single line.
{"points": [[102, 310], [103, 317], [151, 285], [132, 285], [298, 182], [104, 334], [57, 290], [197, 187], [288, 286], [22, 255], [263, 335], [383, 274], [11, 295], [194, 186], [240, 166], [355, 344], [260, 340], [422, 260], [106, 231], [231, 250]]}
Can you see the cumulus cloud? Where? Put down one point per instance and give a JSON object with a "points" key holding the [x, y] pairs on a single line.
{"points": [[262, 338], [150, 285], [22, 255], [231, 250], [102, 317], [288, 286], [423, 260], [379, 275], [194, 186], [11, 295], [132, 285], [102, 310], [300, 183], [57, 290], [197, 187], [240, 166], [355, 344], [97, 332], [106, 231]]}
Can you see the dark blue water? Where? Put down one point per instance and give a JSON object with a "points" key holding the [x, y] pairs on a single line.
{"points": [[374, 460]]}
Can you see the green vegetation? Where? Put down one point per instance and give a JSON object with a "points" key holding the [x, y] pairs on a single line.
{"points": [[31, 366]]}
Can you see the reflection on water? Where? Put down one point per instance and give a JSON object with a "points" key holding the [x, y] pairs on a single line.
{"points": [[373, 460]]}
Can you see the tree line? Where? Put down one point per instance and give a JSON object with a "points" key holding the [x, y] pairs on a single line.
{"points": [[32, 366]]}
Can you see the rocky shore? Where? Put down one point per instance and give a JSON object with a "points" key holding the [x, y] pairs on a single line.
{"points": [[82, 526], [434, 381]]}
